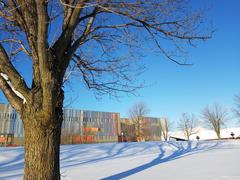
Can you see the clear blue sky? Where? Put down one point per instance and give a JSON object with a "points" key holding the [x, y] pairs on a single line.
{"points": [[173, 89]]}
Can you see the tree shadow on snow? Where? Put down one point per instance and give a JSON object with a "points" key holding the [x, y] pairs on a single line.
{"points": [[75, 155], [111, 152], [13, 164], [182, 150]]}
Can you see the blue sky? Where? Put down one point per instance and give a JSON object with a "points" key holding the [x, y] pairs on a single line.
{"points": [[172, 89]]}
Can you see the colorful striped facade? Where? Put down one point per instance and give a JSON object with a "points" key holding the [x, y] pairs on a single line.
{"points": [[79, 126], [82, 126]]}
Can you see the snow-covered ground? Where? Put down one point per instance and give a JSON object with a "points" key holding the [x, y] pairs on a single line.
{"points": [[205, 134], [203, 160]]}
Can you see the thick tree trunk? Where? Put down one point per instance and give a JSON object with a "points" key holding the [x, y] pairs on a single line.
{"points": [[42, 147]]}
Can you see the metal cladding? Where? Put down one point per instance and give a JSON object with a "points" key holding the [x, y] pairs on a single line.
{"points": [[10, 121], [89, 126], [81, 126]]}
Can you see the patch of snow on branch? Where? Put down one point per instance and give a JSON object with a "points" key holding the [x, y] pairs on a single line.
{"points": [[5, 76]]}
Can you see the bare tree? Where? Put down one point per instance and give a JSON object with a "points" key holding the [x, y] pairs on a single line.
{"points": [[137, 114], [165, 126], [160, 129], [237, 107], [187, 123], [215, 117], [83, 38]]}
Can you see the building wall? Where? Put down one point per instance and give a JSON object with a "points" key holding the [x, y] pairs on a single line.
{"points": [[10, 121], [5, 119], [82, 126], [150, 129], [153, 131], [79, 126], [128, 130]]}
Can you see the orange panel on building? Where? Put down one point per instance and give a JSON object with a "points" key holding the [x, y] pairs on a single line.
{"points": [[3, 139], [91, 129]]}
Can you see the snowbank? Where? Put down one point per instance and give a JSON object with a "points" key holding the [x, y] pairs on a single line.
{"points": [[206, 134]]}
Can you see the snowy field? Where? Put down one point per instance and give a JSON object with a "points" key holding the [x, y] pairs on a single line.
{"points": [[205, 133], [203, 160]]}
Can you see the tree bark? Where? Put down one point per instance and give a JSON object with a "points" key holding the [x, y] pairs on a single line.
{"points": [[42, 146]]}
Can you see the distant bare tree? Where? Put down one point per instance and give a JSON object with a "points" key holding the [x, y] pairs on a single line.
{"points": [[160, 129], [165, 126], [237, 107], [187, 123], [215, 117], [137, 113]]}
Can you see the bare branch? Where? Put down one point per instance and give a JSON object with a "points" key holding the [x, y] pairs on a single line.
{"points": [[14, 100], [8, 17], [68, 28], [20, 43], [187, 124], [7, 68], [84, 35]]}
